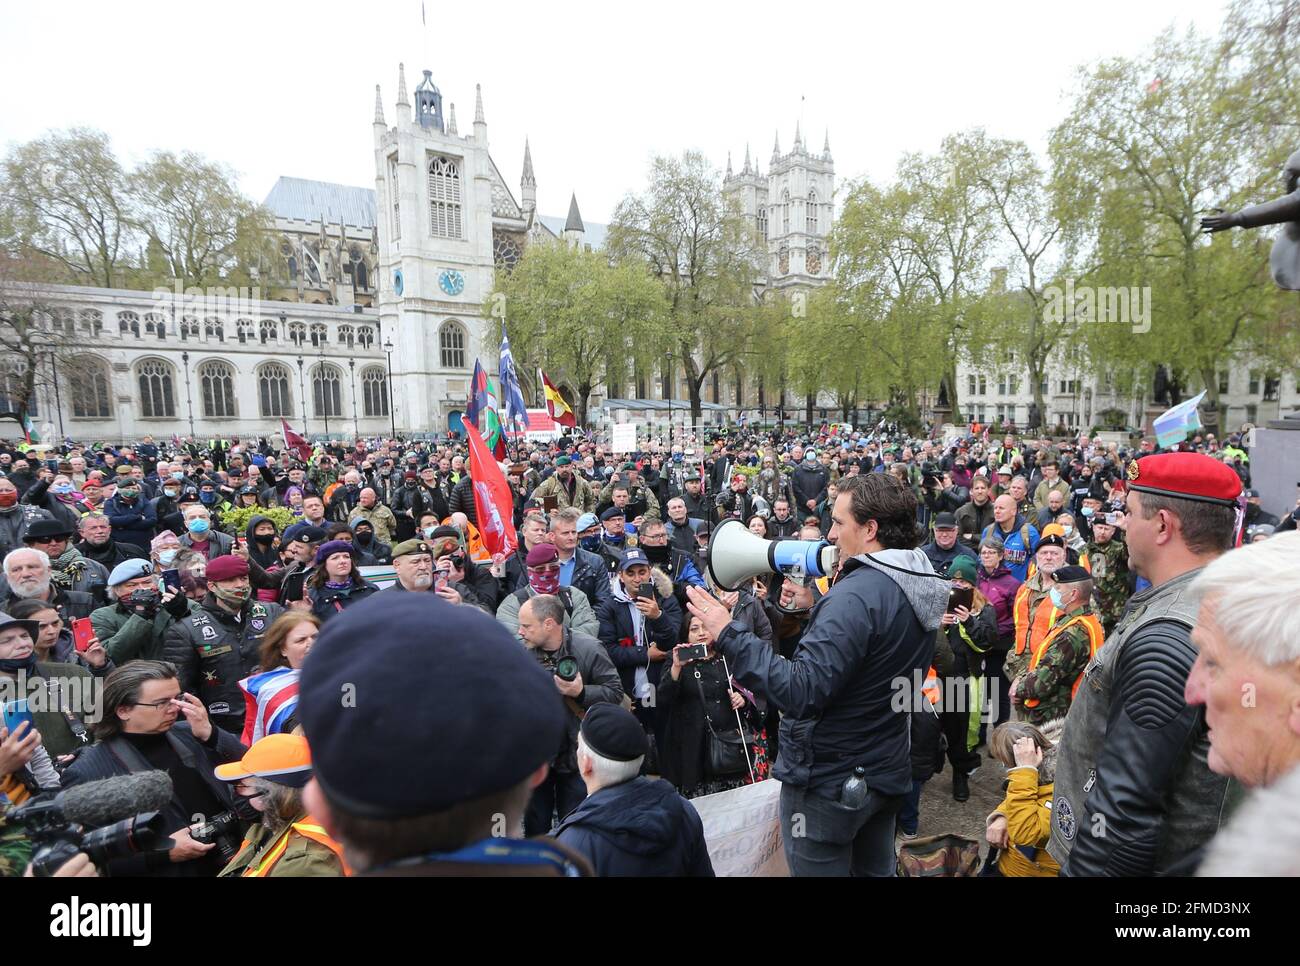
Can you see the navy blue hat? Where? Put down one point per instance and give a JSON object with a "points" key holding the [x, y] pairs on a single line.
{"points": [[632, 558], [303, 533], [613, 512], [613, 732], [446, 707]]}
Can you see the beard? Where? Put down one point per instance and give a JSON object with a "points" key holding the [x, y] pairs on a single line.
{"points": [[422, 581], [30, 588]]}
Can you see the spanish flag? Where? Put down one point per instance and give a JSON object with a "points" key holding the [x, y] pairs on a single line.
{"points": [[555, 405]]}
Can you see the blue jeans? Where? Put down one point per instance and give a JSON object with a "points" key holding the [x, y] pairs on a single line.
{"points": [[909, 816], [824, 838]]}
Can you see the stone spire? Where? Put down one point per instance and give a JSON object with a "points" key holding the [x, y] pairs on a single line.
{"points": [[729, 165], [478, 104], [776, 146], [401, 86], [451, 124], [528, 183], [747, 168], [826, 146], [798, 138], [379, 107]]}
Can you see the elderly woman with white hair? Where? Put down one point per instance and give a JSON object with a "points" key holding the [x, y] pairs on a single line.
{"points": [[1247, 675]]}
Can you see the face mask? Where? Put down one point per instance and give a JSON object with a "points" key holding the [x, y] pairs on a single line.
{"points": [[9, 499], [428, 532], [264, 539], [590, 543], [177, 475], [63, 489], [363, 537], [658, 555], [128, 492], [239, 597], [1069, 531], [1088, 511], [165, 557], [148, 599], [1057, 601], [198, 526], [544, 583], [171, 494], [208, 497]]}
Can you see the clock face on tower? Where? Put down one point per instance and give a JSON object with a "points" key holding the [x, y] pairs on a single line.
{"points": [[398, 282], [451, 282]]}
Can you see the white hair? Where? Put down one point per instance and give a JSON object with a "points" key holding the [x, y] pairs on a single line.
{"points": [[41, 555], [606, 771], [1253, 589]]}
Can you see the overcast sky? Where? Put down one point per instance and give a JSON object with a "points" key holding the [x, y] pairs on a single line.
{"points": [[283, 87]]}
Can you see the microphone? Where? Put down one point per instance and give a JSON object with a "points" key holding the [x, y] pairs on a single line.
{"points": [[110, 800]]}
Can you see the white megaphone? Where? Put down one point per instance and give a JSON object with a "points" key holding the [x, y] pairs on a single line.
{"points": [[736, 555]]}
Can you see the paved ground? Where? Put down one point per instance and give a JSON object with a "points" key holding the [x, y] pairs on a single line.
{"points": [[940, 814]]}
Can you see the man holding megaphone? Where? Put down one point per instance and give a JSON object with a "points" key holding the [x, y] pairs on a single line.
{"points": [[844, 751]]}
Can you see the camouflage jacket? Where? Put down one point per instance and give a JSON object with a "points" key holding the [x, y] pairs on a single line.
{"points": [[1066, 652], [15, 847], [1110, 573]]}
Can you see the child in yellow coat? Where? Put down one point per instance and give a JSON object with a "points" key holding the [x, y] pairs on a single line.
{"points": [[1022, 824]]}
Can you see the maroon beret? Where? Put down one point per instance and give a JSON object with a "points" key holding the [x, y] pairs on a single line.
{"points": [[226, 568], [541, 555]]}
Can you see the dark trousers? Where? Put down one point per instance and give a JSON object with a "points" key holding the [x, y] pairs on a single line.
{"points": [[956, 723], [995, 682], [560, 793], [909, 816], [824, 838]]}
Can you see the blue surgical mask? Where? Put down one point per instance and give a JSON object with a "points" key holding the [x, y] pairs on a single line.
{"points": [[1088, 511], [63, 488], [165, 557], [1057, 602], [198, 526], [428, 532], [1069, 530], [177, 475]]}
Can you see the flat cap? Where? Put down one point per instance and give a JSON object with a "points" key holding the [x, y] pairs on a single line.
{"points": [[611, 731]]}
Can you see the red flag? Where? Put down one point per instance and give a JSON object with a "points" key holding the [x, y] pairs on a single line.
{"points": [[296, 442], [492, 500]]}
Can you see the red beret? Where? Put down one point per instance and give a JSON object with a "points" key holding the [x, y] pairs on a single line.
{"points": [[226, 568], [1187, 476]]}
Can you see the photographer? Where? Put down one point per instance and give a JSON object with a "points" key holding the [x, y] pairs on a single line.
{"points": [[584, 676], [844, 759], [135, 625], [700, 702], [141, 731]]}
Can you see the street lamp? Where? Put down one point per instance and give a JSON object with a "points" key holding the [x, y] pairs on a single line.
{"points": [[352, 380], [58, 401], [302, 391], [668, 384], [392, 412], [189, 395]]}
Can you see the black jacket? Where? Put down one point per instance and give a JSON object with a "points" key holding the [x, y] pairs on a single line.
{"points": [[600, 684], [326, 601], [836, 693], [684, 748], [625, 650], [108, 758], [213, 651], [591, 576], [808, 484], [642, 828], [462, 499], [111, 554]]}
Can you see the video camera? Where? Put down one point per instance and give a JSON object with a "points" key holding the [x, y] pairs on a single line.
{"points": [[109, 819]]}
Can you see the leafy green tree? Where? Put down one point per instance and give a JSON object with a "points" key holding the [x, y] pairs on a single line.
{"points": [[704, 255]]}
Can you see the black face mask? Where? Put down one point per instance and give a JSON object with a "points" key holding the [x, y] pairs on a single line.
{"points": [[658, 555], [363, 538], [265, 539]]}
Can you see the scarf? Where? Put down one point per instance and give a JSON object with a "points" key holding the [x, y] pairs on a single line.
{"points": [[27, 664], [641, 688], [67, 568], [338, 584]]}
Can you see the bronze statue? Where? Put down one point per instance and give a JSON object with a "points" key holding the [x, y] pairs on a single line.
{"points": [[1284, 259]]}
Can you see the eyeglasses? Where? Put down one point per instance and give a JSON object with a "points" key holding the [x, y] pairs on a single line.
{"points": [[157, 704], [56, 539]]}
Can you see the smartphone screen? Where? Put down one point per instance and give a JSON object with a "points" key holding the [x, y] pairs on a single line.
{"points": [[646, 590], [293, 584], [82, 634], [16, 712], [960, 597], [172, 580]]}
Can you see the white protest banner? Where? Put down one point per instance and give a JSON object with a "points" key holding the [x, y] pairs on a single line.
{"points": [[623, 438], [742, 829]]}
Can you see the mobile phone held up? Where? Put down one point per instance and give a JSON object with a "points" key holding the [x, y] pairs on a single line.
{"points": [[172, 580], [82, 634], [15, 713], [646, 591], [960, 597], [693, 652]]}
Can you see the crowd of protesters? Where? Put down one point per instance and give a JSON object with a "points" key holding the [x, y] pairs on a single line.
{"points": [[201, 573]]}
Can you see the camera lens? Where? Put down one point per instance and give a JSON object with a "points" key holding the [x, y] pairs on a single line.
{"points": [[566, 669]]}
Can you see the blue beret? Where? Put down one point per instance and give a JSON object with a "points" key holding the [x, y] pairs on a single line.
{"points": [[587, 521], [129, 570], [446, 707]]}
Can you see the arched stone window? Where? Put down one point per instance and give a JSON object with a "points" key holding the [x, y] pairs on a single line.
{"points": [[444, 198], [346, 336], [451, 343], [88, 382], [365, 336], [214, 328], [273, 391], [217, 381], [326, 390], [319, 334], [92, 322], [297, 333], [157, 393], [128, 323], [155, 324], [269, 331], [762, 223], [246, 331], [810, 215], [189, 328], [374, 391]]}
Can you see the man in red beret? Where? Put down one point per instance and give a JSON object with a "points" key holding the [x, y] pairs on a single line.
{"points": [[218, 646], [1134, 792]]}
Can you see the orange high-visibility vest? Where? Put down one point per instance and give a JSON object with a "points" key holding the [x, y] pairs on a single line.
{"points": [[1031, 629], [473, 543], [1096, 637], [308, 828]]}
